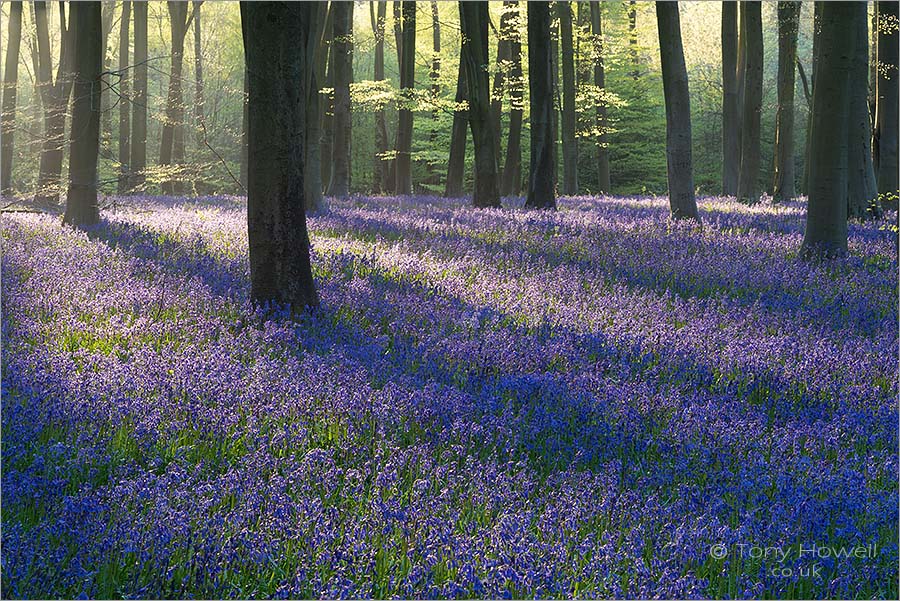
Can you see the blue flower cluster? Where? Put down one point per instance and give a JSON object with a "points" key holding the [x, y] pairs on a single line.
{"points": [[490, 403]]}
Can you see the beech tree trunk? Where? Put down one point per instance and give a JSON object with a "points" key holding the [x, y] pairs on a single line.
{"points": [[679, 160], [748, 179], [244, 124], [569, 118], [381, 181], [84, 147], [731, 143], [276, 38], [171, 151], [407, 84], [788, 22], [138, 154], [434, 75], [326, 68], [633, 40], [511, 179], [542, 174], [456, 167], [125, 94], [10, 84], [603, 178], [887, 102], [342, 47], [500, 74], [312, 160], [199, 96], [862, 189]]}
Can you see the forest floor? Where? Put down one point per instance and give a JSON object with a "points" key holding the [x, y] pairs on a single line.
{"points": [[595, 402]]}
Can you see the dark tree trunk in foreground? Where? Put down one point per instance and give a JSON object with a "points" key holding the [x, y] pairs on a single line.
{"points": [[456, 167], [138, 154], [887, 101], [125, 94], [748, 179], [473, 19], [171, 151], [10, 83], [862, 189], [569, 119], [788, 22], [826, 213], [731, 143], [312, 158], [244, 120], [407, 83], [84, 148], [511, 179], [342, 47], [680, 169], [542, 174], [380, 183], [603, 179], [275, 46]]}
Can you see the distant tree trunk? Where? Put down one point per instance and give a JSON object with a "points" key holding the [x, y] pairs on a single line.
{"points": [[503, 56], [138, 154], [473, 20], [125, 93], [887, 102], [84, 148], [456, 167], [55, 98], [342, 48], [280, 270], [826, 214], [569, 118], [511, 180], [603, 179], [107, 8], [407, 84], [10, 84], [312, 160], [862, 189], [171, 150], [788, 22], [633, 40], [381, 181], [435, 76], [748, 179], [679, 161], [731, 143], [542, 174], [199, 100], [325, 68]]}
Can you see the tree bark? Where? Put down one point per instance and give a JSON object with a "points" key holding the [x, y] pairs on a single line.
{"points": [[10, 84], [633, 40], [603, 178], [862, 189], [138, 154], [731, 144], [407, 84], [84, 147], [381, 182], [500, 75], [342, 47], [434, 177], [275, 38], [125, 94], [748, 179], [108, 9], [569, 118], [456, 166], [245, 118], [887, 102], [680, 169], [171, 150], [826, 213], [326, 68], [199, 100], [542, 174], [312, 160], [788, 22], [817, 29], [511, 179]]}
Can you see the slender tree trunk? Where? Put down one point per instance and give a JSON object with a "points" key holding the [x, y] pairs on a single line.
{"points": [[826, 213], [557, 98], [407, 84], [343, 72], [108, 9], [862, 190], [434, 177], [125, 93], [542, 174], [603, 178], [456, 168], [679, 161], [502, 65], [731, 144], [84, 148], [381, 182], [788, 22], [171, 150], [511, 180], [312, 160], [199, 99], [326, 148], [748, 179], [887, 102], [817, 29], [10, 84], [280, 270], [138, 154], [569, 118], [633, 41]]}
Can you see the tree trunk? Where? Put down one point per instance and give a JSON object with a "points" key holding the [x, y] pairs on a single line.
{"points": [[342, 47], [826, 213], [138, 154], [312, 160], [542, 174], [679, 161], [171, 150], [199, 101], [817, 29], [502, 65], [748, 179], [731, 144], [84, 148], [381, 182], [434, 177], [245, 119], [603, 179], [456, 167], [10, 84], [280, 270], [887, 102], [633, 40], [407, 84], [124, 91], [788, 22], [569, 118], [473, 19], [862, 189], [557, 100], [326, 68], [511, 180], [108, 9]]}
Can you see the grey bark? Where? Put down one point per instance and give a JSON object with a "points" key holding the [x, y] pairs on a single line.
{"points": [[342, 47], [887, 102], [125, 94], [381, 181], [731, 143], [569, 118], [748, 179], [862, 189], [511, 179], [456, 165], [138, 154], [10, 84], [603, 177], [788, 22], [407, 83], [542, 173]]}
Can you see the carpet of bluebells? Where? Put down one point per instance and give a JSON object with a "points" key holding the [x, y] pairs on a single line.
{"points": [[596, 402]]}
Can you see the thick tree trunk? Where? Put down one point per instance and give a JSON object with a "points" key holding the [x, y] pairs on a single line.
{"points": [[862, 189], [731, 143], [84, 148], [603, 178], [10, 84], [275, 45], [511, 180], [569, 118], [456, 167], [748, 179], [199, 96], [171, 151], [125, 94], [138, 154], [680, 169], [826, 213], [342, 47], [542, 174], [788, 22], [381, 181], [312, 160], [245, 118], [407, 84], [887, 102]]}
